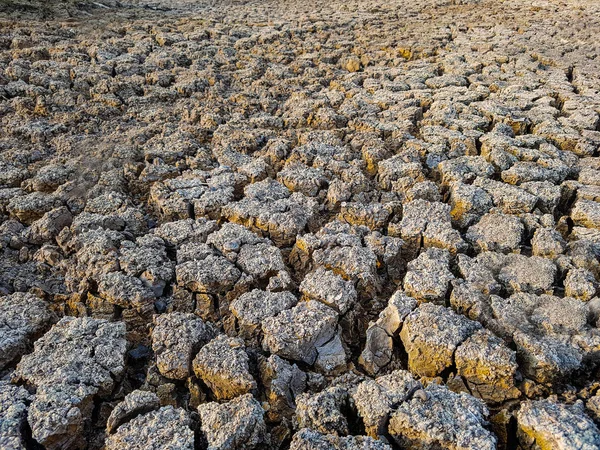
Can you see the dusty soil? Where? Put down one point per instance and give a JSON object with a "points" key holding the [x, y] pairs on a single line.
{"points": [[300, 224]]}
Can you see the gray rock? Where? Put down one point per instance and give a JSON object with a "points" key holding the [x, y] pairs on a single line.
{"points": [[147, 260], [176, 339], [586, 213], [192, 251], [378, 350], [392, 317], [395, 168], [481, 272], [190, 194], [464, 169], [223, 365], [468, 203], [585, 254], [331, 356], [594, 310], [23, 318], [269, 208], [352, 262], [548, 194], [331, 289], [260, 260], [107, 203], [442, 419], [549, 424], [593, 407], [323, 411], [429, 223], [544, 359], [235, 425], [31, 207], [488, 367], [50, 177], [528, 171], [496, 232], [49, 226], [134, 404], [580, 284], [77, 351], [431, 334], [298, 177], [251, 308], [510, 199], [230, 238], [283, 382], [343, 249], [373, 215], [167, 428], [125, 291], [588, 174], [212, 275], [307, 439], [381, 333], [183, 231], [298, 332], [528, 274], [428, 276], [13, 412], [547, 243], [12, 175], [129, 220], [424, 190], [77, 360], [376, 399], [96, 254], [59, 414], [468, 300], [544, 330], [135, 299]]}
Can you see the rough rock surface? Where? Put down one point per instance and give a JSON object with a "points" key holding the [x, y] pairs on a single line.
{"points": [[237, 424], [428, 276], [73, 363], [496, 232], [134, 404], [376, 399], [306, 439], [297, 333], [440, 418], [331, 289], [431, 334], [176, 339], [166, 428], [379, 346], [23, 318], [549, 424], [13, 410], [253, 307], [488, 366], [323, 411], [283, 383], [223, 365]]}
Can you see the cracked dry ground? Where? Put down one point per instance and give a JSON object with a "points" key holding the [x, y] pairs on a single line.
{"points": [[305, 225]]}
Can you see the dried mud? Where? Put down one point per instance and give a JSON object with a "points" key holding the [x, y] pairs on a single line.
{"points": [[300, 225]]}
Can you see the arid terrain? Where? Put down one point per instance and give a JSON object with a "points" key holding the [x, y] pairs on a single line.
{"points": [[300, 224]]}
